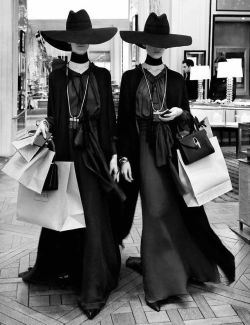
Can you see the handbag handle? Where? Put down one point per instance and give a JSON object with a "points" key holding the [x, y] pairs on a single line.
{"points": [[197, 125]]}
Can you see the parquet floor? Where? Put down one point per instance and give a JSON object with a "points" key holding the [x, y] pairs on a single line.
{"points": [[204, 305]]}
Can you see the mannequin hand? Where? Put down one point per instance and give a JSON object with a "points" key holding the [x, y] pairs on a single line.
{"points": [[113, 168], [173, 113], [126, 172], [42, 128]]}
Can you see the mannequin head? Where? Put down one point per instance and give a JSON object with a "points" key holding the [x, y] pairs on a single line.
{"points": [[79, 48], [154, 52]]}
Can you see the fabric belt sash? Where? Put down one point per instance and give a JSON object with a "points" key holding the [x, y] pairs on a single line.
{"points": [[163, 143]]}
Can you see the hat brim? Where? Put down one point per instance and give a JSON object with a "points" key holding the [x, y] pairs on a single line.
{"points": [[60, 39], [156, 40]]}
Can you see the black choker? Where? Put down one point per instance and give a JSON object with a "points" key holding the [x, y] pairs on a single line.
{"points": [[79, 58], [152, 61]]}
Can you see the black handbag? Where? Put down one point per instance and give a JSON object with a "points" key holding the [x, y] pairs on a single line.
{"points": [[51, 181], [195, 146]]}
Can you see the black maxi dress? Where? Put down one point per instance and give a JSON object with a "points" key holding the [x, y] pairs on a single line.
{"points": [[172, 251], [90, 257]]}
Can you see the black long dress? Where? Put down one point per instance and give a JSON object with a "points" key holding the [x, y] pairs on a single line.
{"points": [[90, 257], [177, 244]]}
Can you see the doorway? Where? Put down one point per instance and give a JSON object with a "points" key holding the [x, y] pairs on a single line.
{"points": [[231, 38]]}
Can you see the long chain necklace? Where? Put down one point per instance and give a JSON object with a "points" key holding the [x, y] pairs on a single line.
{"points": [[74, 120], [155, 110]]}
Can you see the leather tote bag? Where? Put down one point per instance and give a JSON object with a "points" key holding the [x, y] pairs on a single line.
{"points": [[195, 146]]}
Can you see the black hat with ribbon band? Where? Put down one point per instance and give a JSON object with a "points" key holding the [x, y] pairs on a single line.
{"points": [[78, 30], [156, 33]]}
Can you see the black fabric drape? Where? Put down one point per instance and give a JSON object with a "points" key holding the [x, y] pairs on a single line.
{"points": [[128, 146], [128, 140]]}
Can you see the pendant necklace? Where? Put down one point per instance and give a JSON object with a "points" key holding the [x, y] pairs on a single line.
{"points": [[74, 120], [155, 110]]}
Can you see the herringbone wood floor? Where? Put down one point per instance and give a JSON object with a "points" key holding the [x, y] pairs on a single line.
{"points": [[204, 305]]}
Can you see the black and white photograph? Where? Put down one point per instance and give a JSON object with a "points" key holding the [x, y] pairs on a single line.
{"points": [[125, 162]]}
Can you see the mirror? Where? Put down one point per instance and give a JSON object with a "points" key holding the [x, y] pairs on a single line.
{"points": [[198, 57], [231, 39]]}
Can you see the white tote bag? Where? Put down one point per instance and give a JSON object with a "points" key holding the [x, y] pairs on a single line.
{"points": [[58, 210], [205, 179], [31, 174], [207, 127]]}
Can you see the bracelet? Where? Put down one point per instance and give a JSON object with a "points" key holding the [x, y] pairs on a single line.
{"points": [[46, 123], [123, 160]]}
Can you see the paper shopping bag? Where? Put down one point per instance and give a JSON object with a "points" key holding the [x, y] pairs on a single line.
{"points": [[205, 179], [31, 174], [58, 210], [26, 148], [203, 123], [207, 127]]}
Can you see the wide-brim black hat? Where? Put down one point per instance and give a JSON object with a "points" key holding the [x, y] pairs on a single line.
{"points": [[156, 33], [78, 30]]}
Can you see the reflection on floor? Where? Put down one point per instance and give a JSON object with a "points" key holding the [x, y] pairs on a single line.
{"points": [[209, 304]]}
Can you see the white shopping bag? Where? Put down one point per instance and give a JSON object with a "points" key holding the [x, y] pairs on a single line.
{"points": [[207, 127], [31, 174], [205, 179], [58, 210], [26, 148]]}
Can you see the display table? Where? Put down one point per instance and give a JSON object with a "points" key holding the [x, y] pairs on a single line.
{"points": [[224, 118], [243, 128], [244, 200]]}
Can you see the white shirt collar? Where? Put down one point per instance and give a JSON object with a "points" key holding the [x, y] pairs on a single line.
{"points": [[79, 67], [154, 69]]}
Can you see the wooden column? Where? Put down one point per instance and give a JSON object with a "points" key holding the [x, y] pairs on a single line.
{"points": [[189, 17], [143, 12], [8, 73]]}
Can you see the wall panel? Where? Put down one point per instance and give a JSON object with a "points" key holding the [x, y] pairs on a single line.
{"points": [[8, 73]]}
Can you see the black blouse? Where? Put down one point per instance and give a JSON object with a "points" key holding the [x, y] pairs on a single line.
{"points": [[58, 112], [157, 86]]}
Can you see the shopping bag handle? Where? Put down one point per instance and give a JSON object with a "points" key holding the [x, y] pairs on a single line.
{"points": [[197, 125], [50, 144]]}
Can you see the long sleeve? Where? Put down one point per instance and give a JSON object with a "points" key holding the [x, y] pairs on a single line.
{"points": [[112, 118], [107, 120], [124, 120], [185, 119], [51, 109]]}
